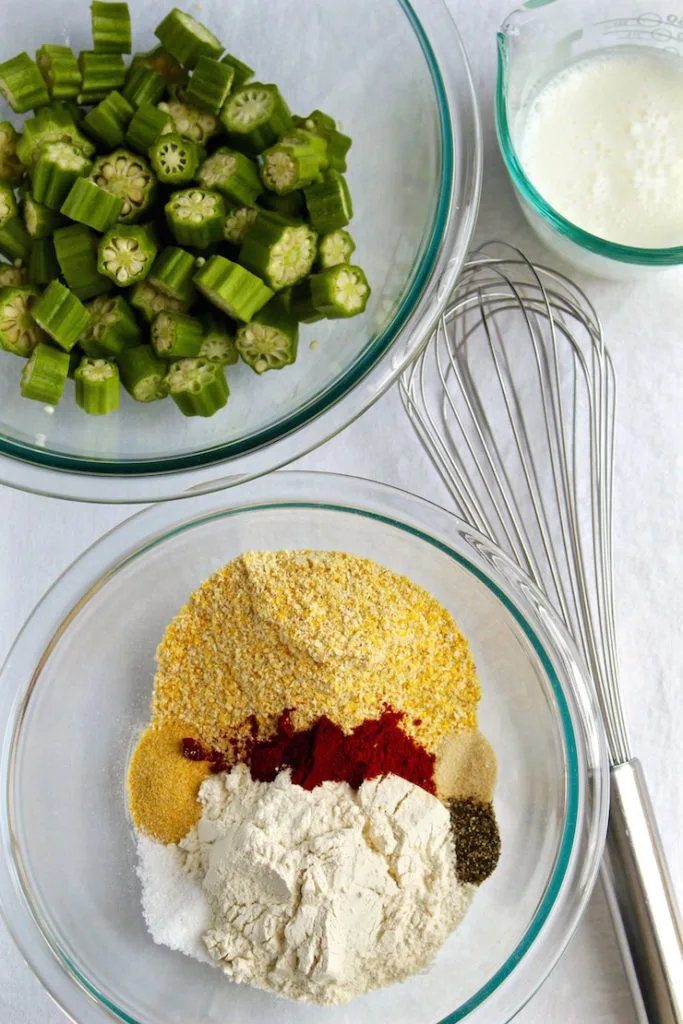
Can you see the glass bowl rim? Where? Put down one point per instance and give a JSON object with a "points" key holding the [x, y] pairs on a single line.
{"points": [[648, 257], [15, 889]]}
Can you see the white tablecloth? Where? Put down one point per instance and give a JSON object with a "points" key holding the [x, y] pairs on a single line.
{"points": [[643, 328]]}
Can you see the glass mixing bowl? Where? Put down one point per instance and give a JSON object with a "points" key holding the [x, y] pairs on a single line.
{"points": [[396, 76], [75, 691]]}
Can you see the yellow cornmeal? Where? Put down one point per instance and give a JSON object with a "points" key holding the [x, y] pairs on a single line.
{"points": [[323, 633]]}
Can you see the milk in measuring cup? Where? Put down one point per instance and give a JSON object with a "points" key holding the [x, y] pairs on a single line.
{"points": [[602, 142]]}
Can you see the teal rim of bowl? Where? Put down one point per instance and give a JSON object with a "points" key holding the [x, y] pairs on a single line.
{"points": [[572, 774], [593, 243], [377, 346]]}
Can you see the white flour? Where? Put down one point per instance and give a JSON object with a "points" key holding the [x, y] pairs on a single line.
{"points": [[318, 896]]}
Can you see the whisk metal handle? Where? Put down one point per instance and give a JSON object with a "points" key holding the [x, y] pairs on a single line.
{"points": [[652, 929]]}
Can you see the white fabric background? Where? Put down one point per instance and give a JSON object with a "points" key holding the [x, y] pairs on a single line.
{"points": [[643, 329]]}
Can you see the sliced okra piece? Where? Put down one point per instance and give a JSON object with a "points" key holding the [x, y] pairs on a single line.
{"points": [[160, 60], [143, 374], [241, 71], [42, 264], [210, 84], [146, 126], [317, 121], [15, 242], [44, 375], [111, 32], [76, 248], [197, 387], [293, 163], [108, 121], [143, 85], [60, 71], [270, 341], [61, 315], [89, 204], [126, 254], [59, 165], [51, 124], [112, 328], [187, 39], [329, 202], [176, 336], [129, 176], [301, 303], [232, 288], [255, 116], [11, 168], [333, 248], [232, 174], [292, 205], [12, 275], [189, 120], [97, 387], [22, 84], [196, 217], [100, 73], [238, 220], [325, 126], [175, 160], [218, 342], [279, 250], [340, 291], [149, 301], [173, 272], [19, 332]]}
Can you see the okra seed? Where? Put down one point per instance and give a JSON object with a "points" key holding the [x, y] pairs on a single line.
{"points": [[16, 321]]}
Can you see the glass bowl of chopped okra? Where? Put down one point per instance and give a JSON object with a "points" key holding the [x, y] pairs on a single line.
{"points": [[223, 230], [259, 730]]}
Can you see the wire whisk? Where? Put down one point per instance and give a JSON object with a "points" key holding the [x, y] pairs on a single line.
{"points": [[514, 401]]}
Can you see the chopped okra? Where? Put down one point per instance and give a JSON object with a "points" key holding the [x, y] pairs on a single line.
{"points": [[11, 167], [15, 242], [241, 71], [97, 386], [51, 124], [44, 375], [61, 315], [210, 84], [187, 39], [175, 160], [197, 387], [13, 275], [112, 328], [76, 248], [60, 70], [279, 250], [232, 288], [301, 303], [232, 174], [291, 205], [218, 343], [255, 116], [340, 291], [108, 121], [143, 374], [173, 272], [270, 341], [325, 126], [100, 73], [294, 162], [126, 254], [149, 301], [238, 220], [335, 247], [189, 120], [146, 126], [89, 204], [22, 84], [143, 85], [160, 60], [19, 332], [42, 263], [196, 217], [129, 176], [59, 165], [176, 336], [111, 29], [329, 202]]}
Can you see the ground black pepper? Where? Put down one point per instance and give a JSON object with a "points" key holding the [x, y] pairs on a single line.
{"points": [[477, 839]]}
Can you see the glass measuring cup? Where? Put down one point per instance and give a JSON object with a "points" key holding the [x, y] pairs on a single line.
{"points": [[535, 43]]}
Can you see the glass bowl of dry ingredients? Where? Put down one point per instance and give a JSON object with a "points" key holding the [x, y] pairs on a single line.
{"points": [[75, 696]]}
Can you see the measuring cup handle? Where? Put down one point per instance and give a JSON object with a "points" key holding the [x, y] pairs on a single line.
{"points": [[645, 902]]}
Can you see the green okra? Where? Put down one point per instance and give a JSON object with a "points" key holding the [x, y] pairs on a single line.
{"points": [[61, 315], [143, 374], [293, 163], [241, 71], [12, 275], [143, 85], [196, 217], [175, 160], [60, 71], [129, 176], [218, 342], [232, 288], [280, 251], [210, 84], [44, 375], [15, 242], [96, 386], [22, 84], [149, 301], [75, 356], [301, 303], [146, 126], [318, 121], [42, 263], [187, 39], [51, 124], [340, 291], [126, 254], [232, 174], [100, 74], [160, 60], [292, 205], [173, 272], [176, 335], [197, 387], [333, 248], [19, 332], [76, 248], [337, 143], [89, 204], [11, 168], [113, 327], [238, 221], [270, 340], [255, 116], [111, 31], [108, 121], [189, 120], [329, 202], [59, 165]]}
